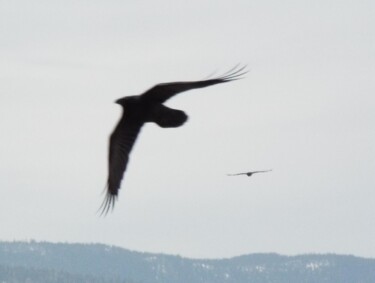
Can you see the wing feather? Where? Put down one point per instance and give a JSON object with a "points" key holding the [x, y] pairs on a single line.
{"points": [[162, 92], [120, 145]]}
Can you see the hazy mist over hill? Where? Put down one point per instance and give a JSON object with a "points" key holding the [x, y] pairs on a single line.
{"points": [[57, 263]]}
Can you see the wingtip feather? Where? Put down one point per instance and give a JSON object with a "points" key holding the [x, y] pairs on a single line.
{"points": [[108, 204]]}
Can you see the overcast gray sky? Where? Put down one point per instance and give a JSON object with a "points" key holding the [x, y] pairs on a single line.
{"points": [[305, 110]]}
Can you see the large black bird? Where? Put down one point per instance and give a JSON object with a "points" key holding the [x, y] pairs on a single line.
{"points": [[248, 174], [148, 107]]}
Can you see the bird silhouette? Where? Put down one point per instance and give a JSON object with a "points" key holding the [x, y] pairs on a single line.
{"points": [[144, 108], [249, 173]]}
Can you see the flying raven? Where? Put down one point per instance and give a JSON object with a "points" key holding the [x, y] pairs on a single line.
{"points": [[148, 107], [249, 173]]}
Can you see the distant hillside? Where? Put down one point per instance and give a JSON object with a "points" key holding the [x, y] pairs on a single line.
{"points": [[56, 263]]}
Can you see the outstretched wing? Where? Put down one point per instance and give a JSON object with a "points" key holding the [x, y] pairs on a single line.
{"points": [[262, 171], [236, 174], [120, 144], [162, 92]]}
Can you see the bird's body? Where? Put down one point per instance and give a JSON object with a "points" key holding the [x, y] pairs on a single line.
{"points": [[140, 109], [249, 173]]}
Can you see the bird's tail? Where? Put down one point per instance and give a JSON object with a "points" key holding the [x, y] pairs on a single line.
{"points": [[166, 117]]}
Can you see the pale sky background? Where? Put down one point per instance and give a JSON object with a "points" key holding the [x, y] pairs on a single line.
{"points": [[305, 110]]}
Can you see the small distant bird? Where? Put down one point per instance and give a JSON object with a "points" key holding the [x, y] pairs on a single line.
{"points": [[148, 107], [249, 173]]}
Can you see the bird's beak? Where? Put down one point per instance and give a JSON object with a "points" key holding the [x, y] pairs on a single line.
{"points": [[118, 101]]}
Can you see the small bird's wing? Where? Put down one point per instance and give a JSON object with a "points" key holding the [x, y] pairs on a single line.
{"points": [[261, 171], [236, 174], [120, 145], [162, 92]]}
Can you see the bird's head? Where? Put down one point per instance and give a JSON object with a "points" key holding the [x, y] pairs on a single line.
{"points": [[126, 100]]}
